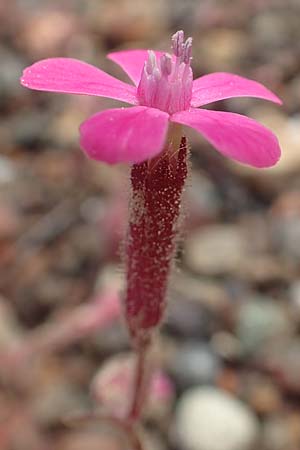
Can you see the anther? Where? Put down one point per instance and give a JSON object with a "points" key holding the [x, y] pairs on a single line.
{"points": [[151, 62], [187, 50], [166, 64], [177, 43], [156, 73]]}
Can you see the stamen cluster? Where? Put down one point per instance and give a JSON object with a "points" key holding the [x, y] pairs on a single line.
{"points": [[166, 81]]}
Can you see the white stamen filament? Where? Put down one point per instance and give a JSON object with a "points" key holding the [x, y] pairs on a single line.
{"points": [[177, 43], [166, 83]]}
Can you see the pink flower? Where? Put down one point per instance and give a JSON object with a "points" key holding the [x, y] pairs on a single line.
{"points": [[164, 91]]}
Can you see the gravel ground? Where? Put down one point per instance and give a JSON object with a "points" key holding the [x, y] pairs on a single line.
{"points": [[229, 352]]}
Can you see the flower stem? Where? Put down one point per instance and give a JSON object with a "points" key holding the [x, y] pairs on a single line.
{"points": [[135, 441], [156, 190], [140, 383]]}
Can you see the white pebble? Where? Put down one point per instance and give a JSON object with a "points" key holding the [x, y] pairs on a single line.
{"points": [[210, 419]]}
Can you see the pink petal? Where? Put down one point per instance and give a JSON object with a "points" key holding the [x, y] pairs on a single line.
{"points": [[75, 77], [132, 62], [124, 135], [236, 136], [221, 85]]}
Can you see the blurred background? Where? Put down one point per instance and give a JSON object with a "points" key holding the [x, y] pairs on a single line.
{"points": [[230, 346]]}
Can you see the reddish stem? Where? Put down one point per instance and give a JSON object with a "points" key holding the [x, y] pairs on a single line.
{"points": [[140, 383]]}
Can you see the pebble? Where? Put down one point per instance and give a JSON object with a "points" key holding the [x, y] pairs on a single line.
{"points": [[281, 431], [188, 318], [10, 70], [9, 220], [262, 394], [25, 128], [272, 30], [90, 439], [275, 434], [209, 293], [55, 402], [128, 20], [8, 172], [260, 319], [221, 47], [229, 380], [10, 330], [210, 419], [47, 32], [294, 295], [285, 225], [215, 250], [287, 131], [195, 363], [281, 358], [203, 200], [294, 93], [226, 345]]}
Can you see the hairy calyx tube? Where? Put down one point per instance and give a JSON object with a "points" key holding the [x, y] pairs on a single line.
{"points": [[156, 190]]}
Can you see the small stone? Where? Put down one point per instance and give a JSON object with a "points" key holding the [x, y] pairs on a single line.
{"points": [[8, 172], [46, 31], [128, 20], [90, 439], [281, 431], [266, 269], [265, 399], [188, 318], [209, 293], [262, 394], [260, 320], [56, 401], [229, 381], [9, 221], [285, 225], [210, 419], [294, 295], [25, 129], [281, 358], [64, 124], [294, 92], [272, 30], [19, 431], [221, 47], [215, 250], [10, 70], [195, 363], [287, 131], [203, 203], [226, 345], [10, 330]]}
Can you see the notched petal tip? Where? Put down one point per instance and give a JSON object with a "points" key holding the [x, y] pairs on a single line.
{"points": [[23, 81], [25, 77]]}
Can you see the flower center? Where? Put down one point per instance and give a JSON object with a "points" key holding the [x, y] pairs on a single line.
{"points": [[166, 82]]}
